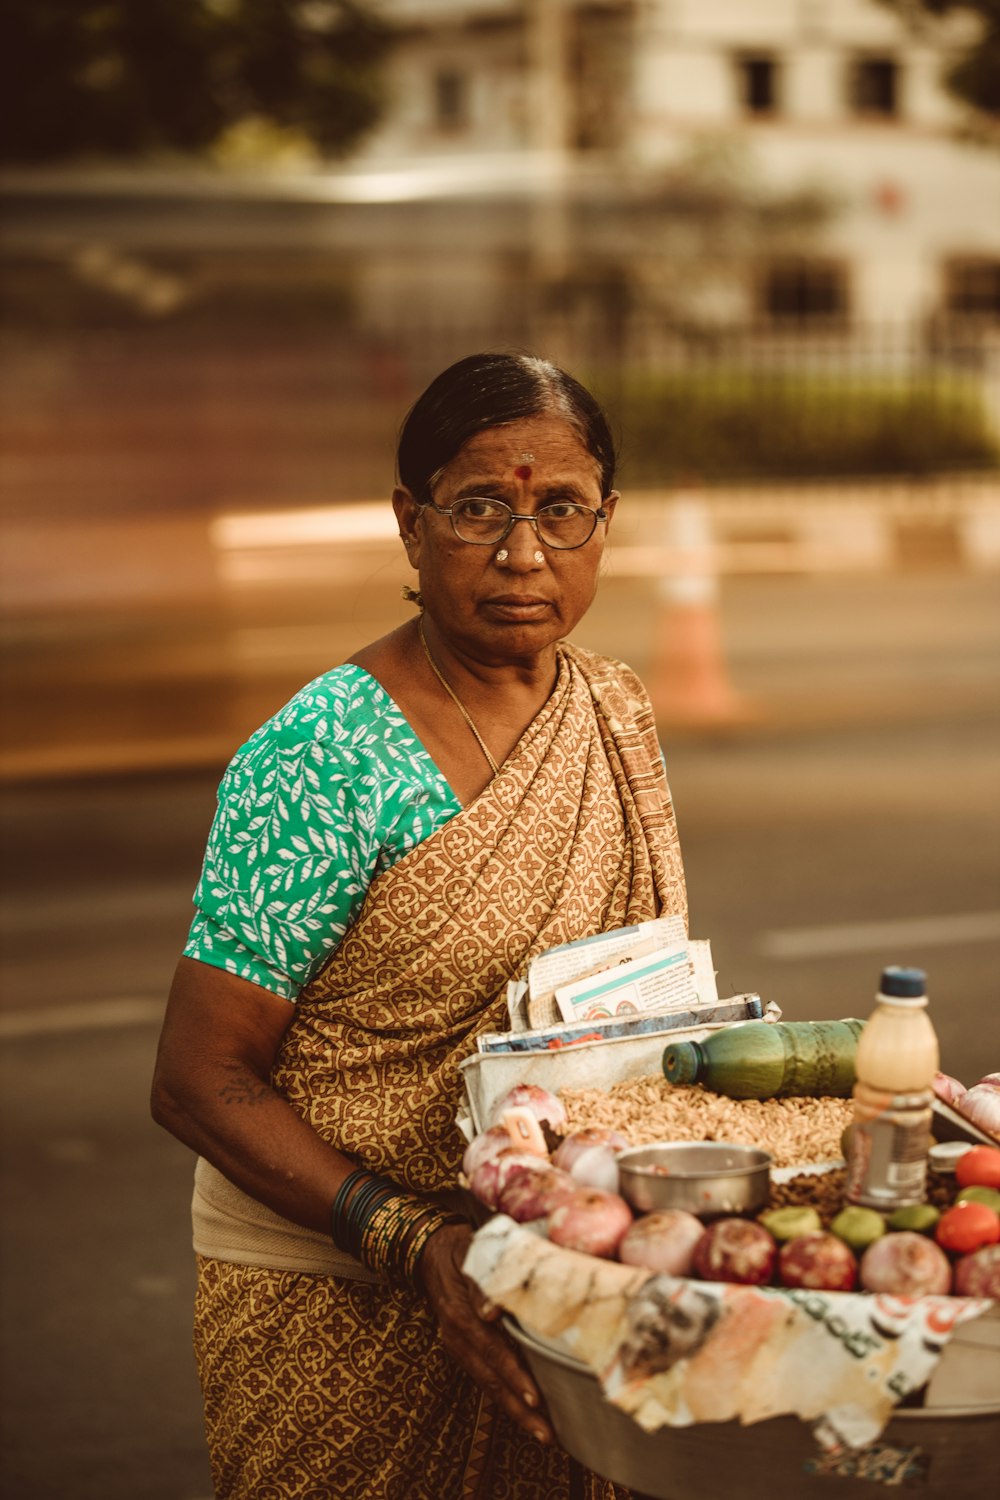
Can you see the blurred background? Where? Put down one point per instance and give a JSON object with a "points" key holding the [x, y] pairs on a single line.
{"points": [[238, 238]]}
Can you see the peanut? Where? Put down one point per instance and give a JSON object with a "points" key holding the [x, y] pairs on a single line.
{"points": [[795, 1131]]}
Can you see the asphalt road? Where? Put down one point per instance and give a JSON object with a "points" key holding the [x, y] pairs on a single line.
{"points": [[817, 850]]}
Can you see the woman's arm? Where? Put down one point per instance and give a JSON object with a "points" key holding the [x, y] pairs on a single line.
{"points": [[211, 1089]]}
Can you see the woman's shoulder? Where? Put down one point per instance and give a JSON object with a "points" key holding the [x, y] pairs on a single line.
{"points": [[344, 707], [605, 671]]}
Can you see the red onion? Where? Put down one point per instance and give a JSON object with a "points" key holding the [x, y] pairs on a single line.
{"points": [[905, 1264], [663, 1242], [573, 1146], [991, 1080], [543, 1105], [490, 1177], [590, 1157], [947, 1088], [535, 1192], [981, 1105], [590, 1221], [484, 1147]]}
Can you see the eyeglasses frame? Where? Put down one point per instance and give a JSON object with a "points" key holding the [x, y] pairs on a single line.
{"points": [[600, 514]]}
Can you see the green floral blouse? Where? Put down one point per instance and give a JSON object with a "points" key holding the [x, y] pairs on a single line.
{"points": [[332, 790]]}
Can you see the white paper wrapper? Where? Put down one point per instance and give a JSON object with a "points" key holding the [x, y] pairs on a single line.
{"points": [[672, 1352]]}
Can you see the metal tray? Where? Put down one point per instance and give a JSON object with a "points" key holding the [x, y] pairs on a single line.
{"points": [[957, 1434]]}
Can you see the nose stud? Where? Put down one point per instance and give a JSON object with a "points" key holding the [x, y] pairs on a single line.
{"points": [[539, 557], [502, 555]]}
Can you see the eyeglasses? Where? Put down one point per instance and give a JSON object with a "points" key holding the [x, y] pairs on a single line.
{"points": [[484, 522]]}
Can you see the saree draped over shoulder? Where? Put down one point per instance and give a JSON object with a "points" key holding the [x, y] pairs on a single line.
{"points": [[574, 836]]}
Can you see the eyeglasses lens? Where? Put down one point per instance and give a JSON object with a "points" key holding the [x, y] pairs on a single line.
{"points": [[486, 521]]}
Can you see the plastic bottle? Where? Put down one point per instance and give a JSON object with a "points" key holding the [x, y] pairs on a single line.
{"points": [[765, 1060], [896, 1062]]}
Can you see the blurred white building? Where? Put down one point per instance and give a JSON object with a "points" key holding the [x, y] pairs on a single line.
{"points": [[580, 100]]}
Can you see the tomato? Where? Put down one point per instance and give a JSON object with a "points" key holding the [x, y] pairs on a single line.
{"points": [[967, 1227], [979, 1167]]}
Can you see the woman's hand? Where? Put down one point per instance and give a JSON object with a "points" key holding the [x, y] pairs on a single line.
{"points": [[470, 1334]]}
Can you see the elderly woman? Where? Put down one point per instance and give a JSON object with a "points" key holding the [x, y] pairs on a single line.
{"points": [[389, 849]]}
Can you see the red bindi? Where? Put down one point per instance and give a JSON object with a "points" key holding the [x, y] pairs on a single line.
{"points": [[522, 472]]}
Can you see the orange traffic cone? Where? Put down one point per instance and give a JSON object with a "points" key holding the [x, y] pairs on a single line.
{"points": [[688, 680]]}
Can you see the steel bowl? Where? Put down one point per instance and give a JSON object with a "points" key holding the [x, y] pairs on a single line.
{"points": [[703, 1177]]}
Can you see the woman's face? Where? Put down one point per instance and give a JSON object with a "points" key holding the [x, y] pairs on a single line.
{"points": [[518, 606]]}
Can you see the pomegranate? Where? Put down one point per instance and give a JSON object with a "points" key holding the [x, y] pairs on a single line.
{"points": [[591, 1221], [906, 1264], [663, 1242], [735, 1250], [819, 1260]]}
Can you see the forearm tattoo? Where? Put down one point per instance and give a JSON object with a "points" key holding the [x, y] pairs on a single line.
{"points": [[243, 1086]]}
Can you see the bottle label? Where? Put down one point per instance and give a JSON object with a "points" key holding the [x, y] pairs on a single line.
{"points": [[888, 1165]]}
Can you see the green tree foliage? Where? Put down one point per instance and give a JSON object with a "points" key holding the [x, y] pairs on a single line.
{"points": [[975, 76], [123, 77]]}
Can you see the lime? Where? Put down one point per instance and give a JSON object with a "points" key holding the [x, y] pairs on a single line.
{"points": [[789, 1223], [858, 1227], [978, 1194], [919, 1216]]}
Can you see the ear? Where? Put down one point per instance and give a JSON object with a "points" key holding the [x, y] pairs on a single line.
{"points": [[610, 505], [408, 518]]}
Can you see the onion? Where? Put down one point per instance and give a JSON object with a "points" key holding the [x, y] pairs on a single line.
{"points": [[992, 1081], [590, 1157], [663, 1242], [491, 1176], [981, 1105], [573, 1146], [947, 1088], [484, 1147], [543, 1105], [535, 1192], [596, 1168], [905, 1264], [590, 1221]]}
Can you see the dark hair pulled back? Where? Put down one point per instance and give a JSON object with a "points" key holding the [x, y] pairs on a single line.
{"points": [[488, 390]]}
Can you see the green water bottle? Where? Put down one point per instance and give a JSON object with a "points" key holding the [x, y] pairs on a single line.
{"points": [[765, 1060]]}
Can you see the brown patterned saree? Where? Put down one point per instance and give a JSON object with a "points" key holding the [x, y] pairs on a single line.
{"points": [[322, 1387]]}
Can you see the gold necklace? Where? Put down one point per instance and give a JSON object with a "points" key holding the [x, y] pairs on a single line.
{"points": [[456, 700]]}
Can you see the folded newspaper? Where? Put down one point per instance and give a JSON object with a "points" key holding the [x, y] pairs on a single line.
{"points": [[564, 1034], [649, 977]]}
